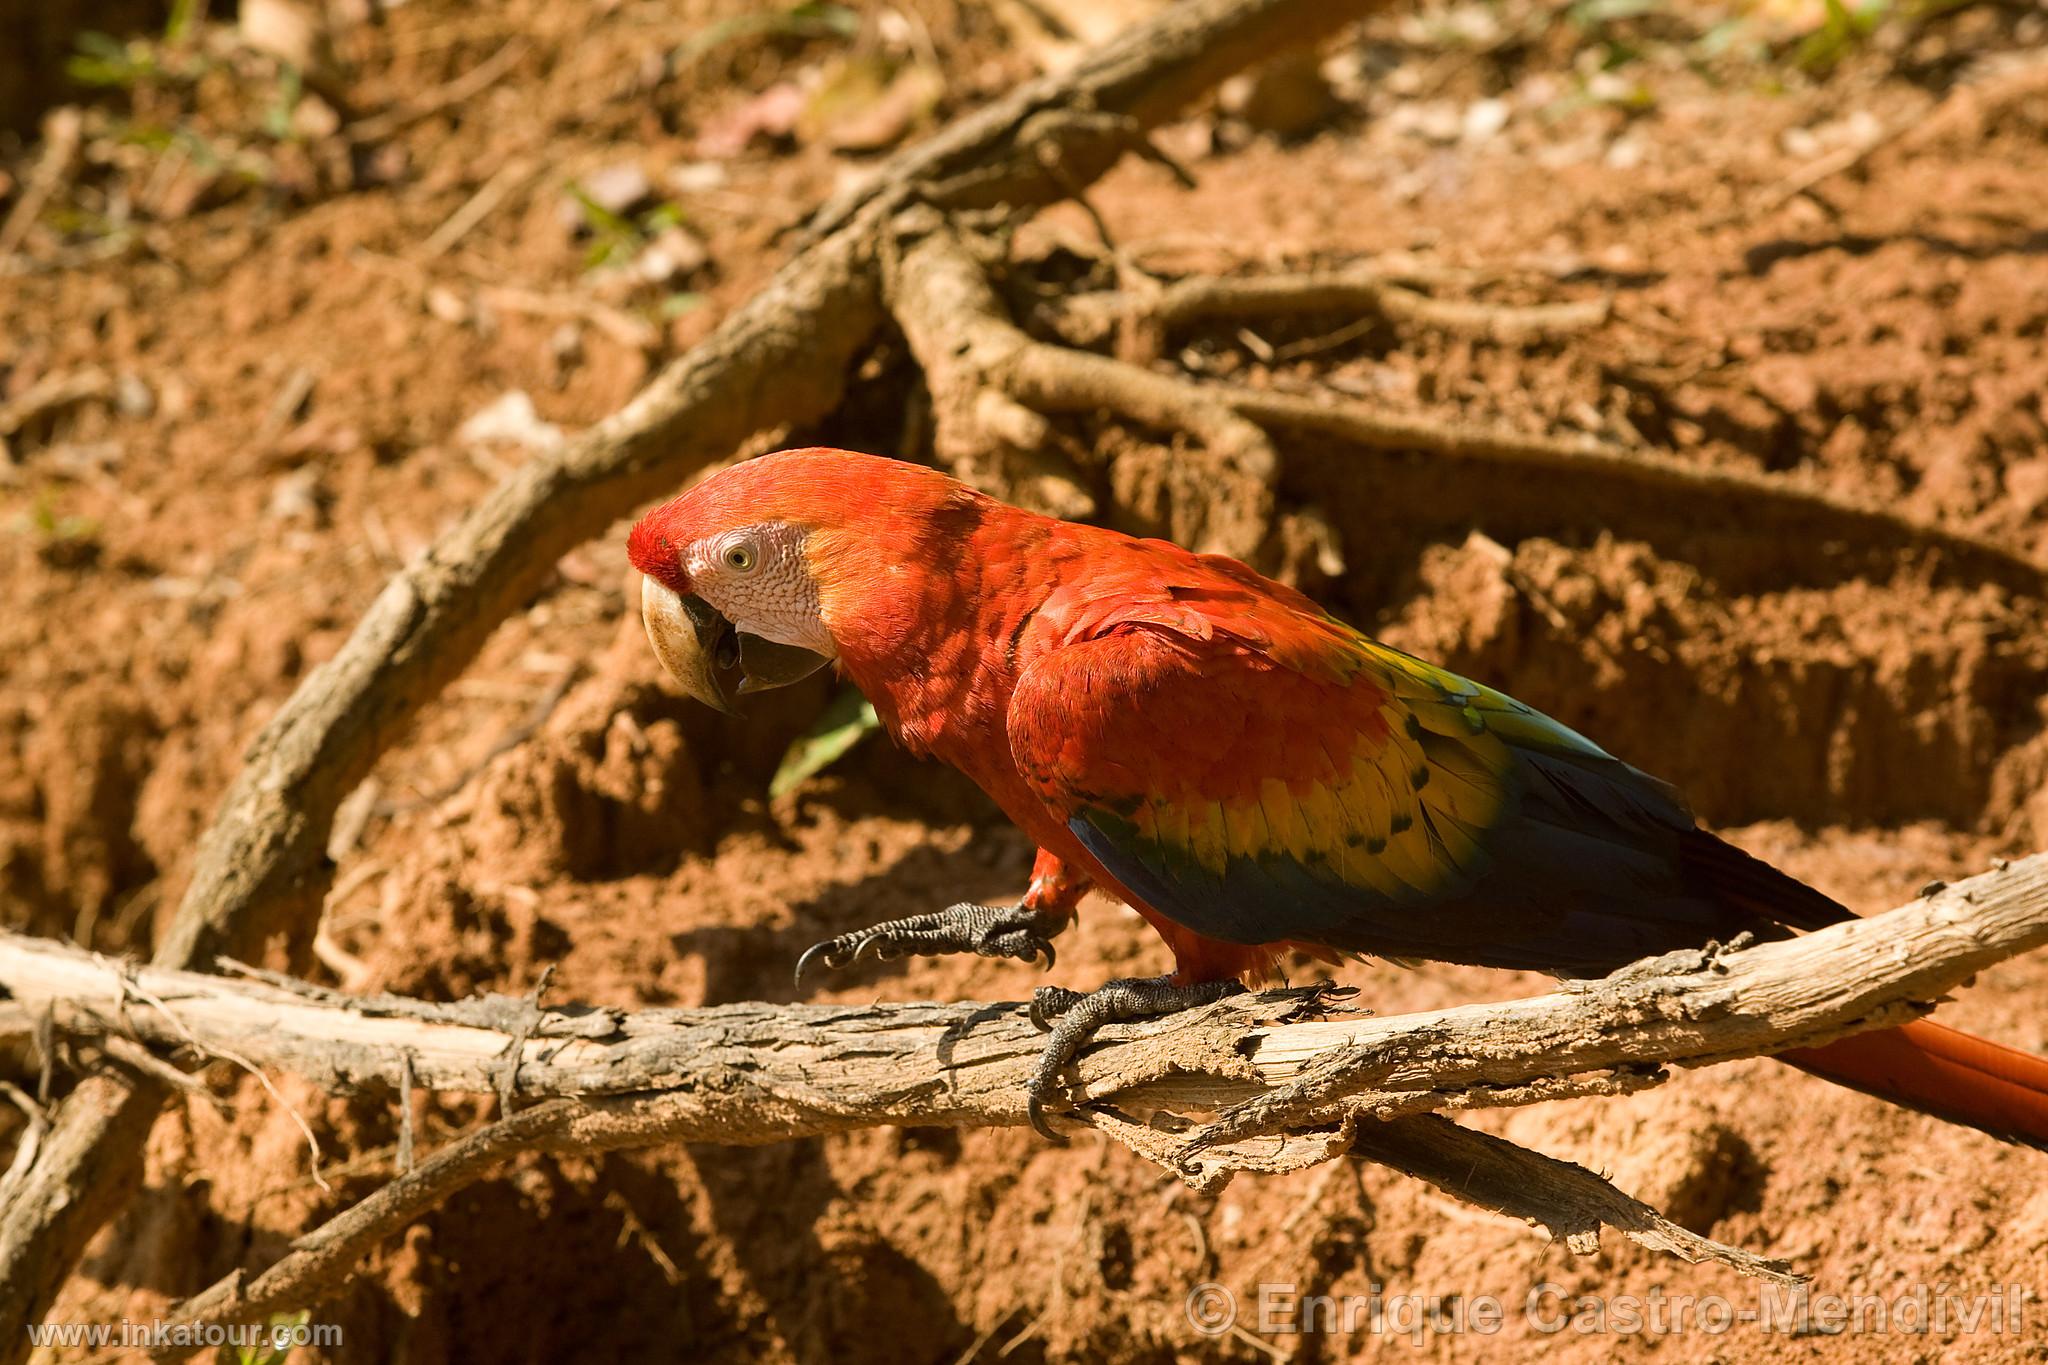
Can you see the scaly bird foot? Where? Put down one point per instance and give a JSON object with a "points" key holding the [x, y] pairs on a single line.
{"points": [[1072, 1017], [984, 930]]}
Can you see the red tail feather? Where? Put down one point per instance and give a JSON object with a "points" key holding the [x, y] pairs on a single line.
{"points": [[1942, 1072]]}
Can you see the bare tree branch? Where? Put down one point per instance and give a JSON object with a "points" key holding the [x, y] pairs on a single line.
{"points": [[1286, 1091]]}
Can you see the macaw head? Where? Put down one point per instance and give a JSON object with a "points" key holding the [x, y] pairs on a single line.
{"points": [[768, 570]]}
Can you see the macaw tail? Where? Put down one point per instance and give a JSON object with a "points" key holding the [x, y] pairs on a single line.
{"points": [[1940, 1071]]}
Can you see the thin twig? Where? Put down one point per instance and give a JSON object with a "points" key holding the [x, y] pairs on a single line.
{"points": [[536, 716], [63, 135], [407, 1083], [49, 394], [616, 323], [130, 984], [463, 88], [478, 206]]}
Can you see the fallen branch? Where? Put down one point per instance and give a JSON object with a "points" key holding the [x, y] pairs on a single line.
{"points": [[1289, 1092], [260, 872], [930, 1063]]}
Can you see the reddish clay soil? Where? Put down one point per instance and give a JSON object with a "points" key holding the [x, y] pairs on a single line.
{"points": [[180, 555]]}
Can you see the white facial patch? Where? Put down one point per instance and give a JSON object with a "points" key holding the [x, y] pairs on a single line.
{"points": [[757, 578]]}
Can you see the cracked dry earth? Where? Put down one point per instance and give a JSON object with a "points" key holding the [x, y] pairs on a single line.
{"points": [[1868, 720]]}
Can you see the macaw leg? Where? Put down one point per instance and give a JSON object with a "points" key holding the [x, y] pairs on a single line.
{"points": [[1023, 931], [1072, 1017]]}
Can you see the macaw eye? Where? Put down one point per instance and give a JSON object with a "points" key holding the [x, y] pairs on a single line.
{"points": [[739, 558]]}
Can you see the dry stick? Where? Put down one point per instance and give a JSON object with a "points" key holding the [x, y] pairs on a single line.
{"points": [[616, 323], [63, 135], [780, 359], [753, 1073], [38, 1123], [138, 1058], [50, 394], [536, 716], [463, 88], [510, 176], [1351, 290], [621, 326], [1964, 101]]}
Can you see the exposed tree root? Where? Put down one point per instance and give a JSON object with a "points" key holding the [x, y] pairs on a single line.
{"points": [[990, 383], [1086, 319], [984, 368], [1737, 489]]}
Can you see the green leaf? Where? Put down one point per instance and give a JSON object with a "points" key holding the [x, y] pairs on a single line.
{"points": [[841, 725]]}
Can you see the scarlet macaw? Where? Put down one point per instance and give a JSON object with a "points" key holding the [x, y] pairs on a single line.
{"points": [[1247, 772]]}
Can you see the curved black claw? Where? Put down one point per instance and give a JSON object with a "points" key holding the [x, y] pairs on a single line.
{"points": [[985, 930], [1071, 1018], [1048, 1003], [812, 954], [1034, 1110]]}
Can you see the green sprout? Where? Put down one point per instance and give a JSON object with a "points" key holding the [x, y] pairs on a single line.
{"points": [[616, 237]]}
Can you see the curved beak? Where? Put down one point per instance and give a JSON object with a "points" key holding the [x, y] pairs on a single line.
{"points": [[689, 639], [707, 657]]}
